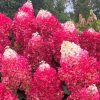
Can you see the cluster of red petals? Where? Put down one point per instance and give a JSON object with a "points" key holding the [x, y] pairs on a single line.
{"points": [[87, 93], [45, 84], [6, 94], [79, 76], [72, 54], [5, 30], [24, 24], [16, 73], [71, 32], [53, 32], [90, 40], [77, 70], [62, 33], [47, 23], [37, 50], [46, 27]]}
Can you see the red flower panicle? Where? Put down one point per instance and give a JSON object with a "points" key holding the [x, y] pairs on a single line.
{"points": [[71, 54], [45, 84], [37, 50], [77, 69], [5, 31], [24, 25], [55, 43], [71, 32], [6, 94], [47, 23], [16, 72], [90, 40], [89, 93]]}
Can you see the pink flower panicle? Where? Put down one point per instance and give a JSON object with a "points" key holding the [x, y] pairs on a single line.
{"points": [[45, 24], [24, 24], [5, 31], [28, 8], [71, 54], [37, 50], [16, 73], [77, 68], [70, 26], [46, 27], [90, 40], [45, 84], [89, 93], [62, 33], [6, 94], [71, 32]]}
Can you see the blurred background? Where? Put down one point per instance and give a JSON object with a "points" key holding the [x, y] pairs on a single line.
{"points": [[64, 10]]}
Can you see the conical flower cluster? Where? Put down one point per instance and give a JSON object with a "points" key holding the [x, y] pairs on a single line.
{"points": [[45, 24], [46, 27], [16, 72], [45, 84], [37, 50], [24, 24], [77, 68], [5, 31], [71, 32], [90, 40]]}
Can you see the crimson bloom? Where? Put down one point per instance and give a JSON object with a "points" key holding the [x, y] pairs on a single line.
{"points": [[5, 31], [90, 40], [89, 93], [67, 32], [24, 24], [45, 84], [37, 50], [77, 68], [6, 94], [16, 73]]}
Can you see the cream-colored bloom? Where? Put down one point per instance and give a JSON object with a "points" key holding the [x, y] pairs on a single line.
{"points": [[9, 53], [44, 13], [69, 26], [69, 49]]}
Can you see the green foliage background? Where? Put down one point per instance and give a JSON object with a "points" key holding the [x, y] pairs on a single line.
{"points": [[9, 7], [57, 7]]}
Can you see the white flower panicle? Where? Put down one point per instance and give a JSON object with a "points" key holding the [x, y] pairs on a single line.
{"points": [[69, 49]]}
